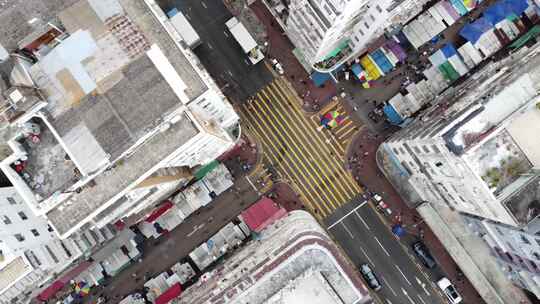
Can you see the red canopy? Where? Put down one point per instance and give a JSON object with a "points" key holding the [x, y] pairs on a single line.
{"points": [[169, 294], [262, 213], [159, 211], [50, 291]]}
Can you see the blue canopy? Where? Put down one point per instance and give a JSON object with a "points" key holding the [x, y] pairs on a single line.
{"points": [[515, 6], [473, 31], [320, 78], [392, 115], [496, 13], [449, 50], [398, 230], [356, 69]]}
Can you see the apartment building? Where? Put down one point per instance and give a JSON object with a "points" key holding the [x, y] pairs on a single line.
{"points": [[104, 110], [328, 33], [475, 151]]}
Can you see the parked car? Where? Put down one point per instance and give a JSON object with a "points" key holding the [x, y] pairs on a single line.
{"points": [[423, 254], [449, 290], [370, 277]]}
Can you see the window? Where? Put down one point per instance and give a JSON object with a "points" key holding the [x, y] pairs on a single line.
{"points": [[416, 149], [65, 249], [23, 216], [426, 149], [366, 25], [6, 220], [379, 9], [499, 230], [34, 232], [536, 255], [356, 38], [361, 32], [372, 18], [51, 254], [395, 151], [524, 239], [19, 237], [434, 147], [11, 201]]}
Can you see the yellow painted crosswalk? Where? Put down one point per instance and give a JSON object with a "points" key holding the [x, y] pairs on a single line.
{"points": [[303, 154]]}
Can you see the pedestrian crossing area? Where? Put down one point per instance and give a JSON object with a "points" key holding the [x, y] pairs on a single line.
{"points": [[310, 159]]}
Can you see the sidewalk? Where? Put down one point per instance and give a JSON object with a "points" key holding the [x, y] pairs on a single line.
{"points": [[280, 48], [366, 172], [447, 237]]}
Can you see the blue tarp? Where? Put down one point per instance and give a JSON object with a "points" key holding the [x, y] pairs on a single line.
{"points": [[356, 69], [516, 7], [381, 61], [172, 12], [392, 115], [449, 50], [473, 31], [495, 13], [319, 78]]}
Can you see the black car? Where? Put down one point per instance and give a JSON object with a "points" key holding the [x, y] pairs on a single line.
{"points": [[423, 254], [370, 277]]}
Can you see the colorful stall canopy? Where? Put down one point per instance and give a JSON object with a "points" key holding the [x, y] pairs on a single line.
{"points": [[331, 119], [170, 294]]}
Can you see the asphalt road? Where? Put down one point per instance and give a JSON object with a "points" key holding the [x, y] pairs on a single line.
{"points": [[366, 239], [219, 52], [161, 255]]}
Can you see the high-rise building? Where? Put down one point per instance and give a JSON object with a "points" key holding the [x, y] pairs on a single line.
{"points": [[293, 260], [328, 33], [475, 151], [104, 110]]}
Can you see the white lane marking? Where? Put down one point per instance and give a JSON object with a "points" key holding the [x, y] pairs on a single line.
{"points": [[365, 224], [422, 284], [367, 256], [203, 4], [348, 231], [399, 269], [407, 295], [388, 284], [421, 300], [230, 73], [210, 46], [195, 229], [388, 301], [384, 249], [226, 34], [346, 215]]}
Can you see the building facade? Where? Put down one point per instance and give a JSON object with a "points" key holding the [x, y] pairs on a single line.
{"points": [[104, 113], [289, 262], [475, 151], [328, 33]]}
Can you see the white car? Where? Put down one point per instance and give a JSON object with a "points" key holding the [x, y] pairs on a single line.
{"points": [[449, 290]]}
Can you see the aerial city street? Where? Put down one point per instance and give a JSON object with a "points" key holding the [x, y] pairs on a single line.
{"points": [[270, 151]]}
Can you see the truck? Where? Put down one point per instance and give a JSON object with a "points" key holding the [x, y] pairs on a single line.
{"points": [[246, 41], [184, 28]]}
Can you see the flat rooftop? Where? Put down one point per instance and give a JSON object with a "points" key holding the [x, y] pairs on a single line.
{"points": [[524, 204], [311, 287], [292, 259], [499, 161], [70, 213]]}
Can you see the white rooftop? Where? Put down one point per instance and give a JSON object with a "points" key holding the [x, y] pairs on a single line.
{"points": [[311, 287]]}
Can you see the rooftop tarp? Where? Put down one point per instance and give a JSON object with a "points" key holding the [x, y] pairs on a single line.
{"points": [[159, 211], [206, 169], [473, 31], [357, 70], [320, 78], [392, 115], [516, 7], [50, 291], [495, 13], [262, 213], [535, 31], [170, 294], [448, 50]]}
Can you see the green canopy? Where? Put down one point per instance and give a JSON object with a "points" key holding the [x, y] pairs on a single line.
{"points": [[521, 41], [206, 169]]}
